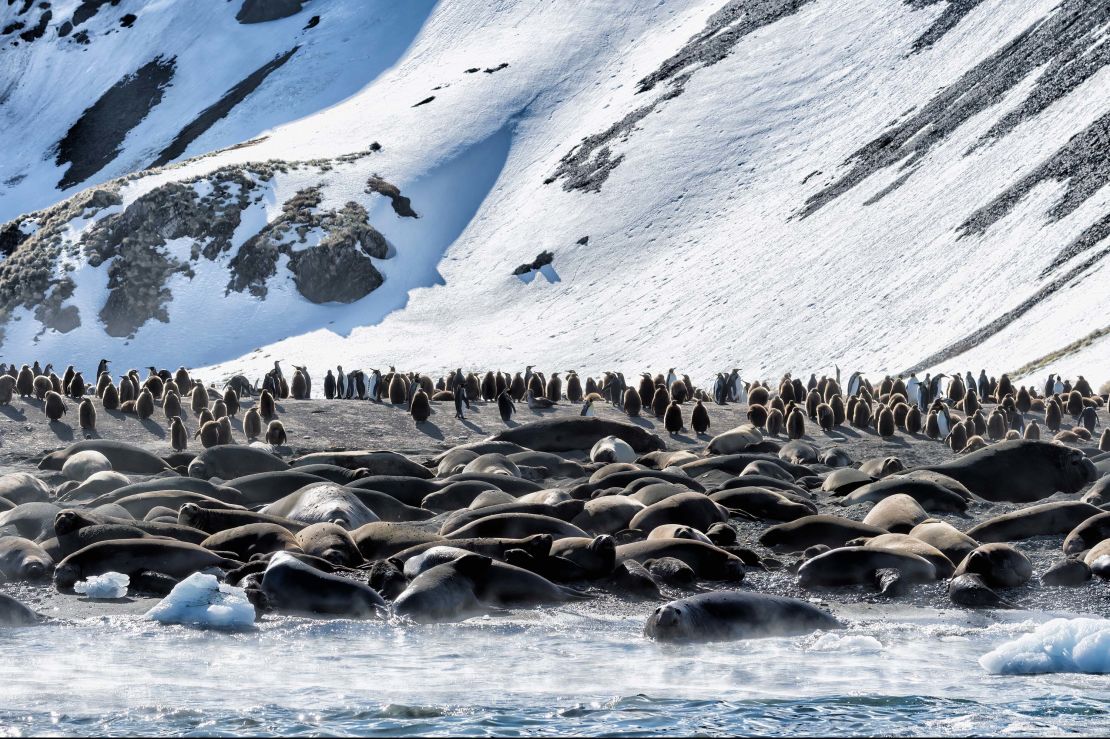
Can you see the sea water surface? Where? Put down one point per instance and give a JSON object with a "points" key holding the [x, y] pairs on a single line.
{"points": [[537, 673]]}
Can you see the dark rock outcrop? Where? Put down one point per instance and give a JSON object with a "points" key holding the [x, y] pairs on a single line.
{"points": [[261, 11]]}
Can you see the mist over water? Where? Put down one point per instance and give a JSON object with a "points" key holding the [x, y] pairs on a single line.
{"points": [[538, 672]]}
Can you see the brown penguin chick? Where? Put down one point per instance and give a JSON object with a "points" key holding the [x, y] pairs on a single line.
{"points": [[42, 386], [267, 409], [231, 402], [996, 426], [1104, 441], [155, 385], [840, 414], [398, 390], [77, 387], [957, 438], [225, 429], [574, 388], [171, 386], [913, 420], [209, 433], [110, 400], [184, 382], [757, 414], [275, 434], [796, 423], [970, 402], [932, 425], [126, 390], [144, 405], [974, 444], [1032, 431], [672, 418], [825, 417], [102, 383], [774, 422], [813, 399], [299, 387], [660, 402], [861, 415], [678, 392], [171, 405], [252, 424], [699, 418], [517, 388], [777, 404], [759, 396], [489, 386], [554, 388], [1023, 401], [1052, 416], [54, 406], [632, 404], [900, 411], [86, 413], [198, 399], [1074, 403], [205, 416], [219, 410], [979, 422], [885, 424], [25, 382], [421, 407], [179, 437]]}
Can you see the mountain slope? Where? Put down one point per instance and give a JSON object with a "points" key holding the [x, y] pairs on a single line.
{"points": [[775, 185]]}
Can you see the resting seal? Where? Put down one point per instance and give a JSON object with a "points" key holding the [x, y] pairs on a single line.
{"points": [[21, 559], [690, 509], [579, 432], [728, 615], [293, 586], [929, 495], [856, 565], [14, 613], [1088, 533], [898, 514], [323, 501], [1038, 520], [374, 462], [947, 538], [124, 457], [708, 562], [230, 461], [1000, 565], [251, 539], [832, 531], [132, 557], [1020, 471]]}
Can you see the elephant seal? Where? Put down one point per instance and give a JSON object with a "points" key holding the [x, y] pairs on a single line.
{"points": [[546, 464], [578, 433], [323, 501], [509, 586], [879, 467], [802, 533], [1038, 520], [678, 531], [338, 475], [1068, 573], [457, 495], [538, 546], [911, 545], [929, 495], [1084, 536], [34, 521], [689, 509], [672, 572], [70, 521], [493, 464], [764, 503], [14, 613], [374, 462], [292, 586], [1099, 494], [263, 488], [228, 461], [138, 506], [63, 545], [382, 539], [330, 542], [597, 556], [455, 460], [23, 487], [213, 520], [663, 460], [432, 557], [1020, 471], [94, 487], [654, 492], [947, 538], [898, 514], [971, 591], [854, 565], [708, 562], [1000, 565], [612, 449], [81, 465], [731, 615], [480, 447], [21, 559], [184, 484], [607, 514], [490, 498], [445, 592], [562, 510], [1095, 554], [251, 539], [514, 525], [177, 559], [739, 439], [844, 480], [799, 452], [124, 457]]}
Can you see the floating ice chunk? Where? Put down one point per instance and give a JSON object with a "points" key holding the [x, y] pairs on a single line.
{"points": [[1061, 645], [858, 643], [201, 600], [104, 587]]}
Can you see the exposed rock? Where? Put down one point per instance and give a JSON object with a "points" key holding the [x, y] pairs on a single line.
{"points": [[334, 271], [37, 31], [261, 11], [95, 139], [953, 13], [402, 206], [545, 258]]}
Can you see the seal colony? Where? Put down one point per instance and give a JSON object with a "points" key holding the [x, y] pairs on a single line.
{"points": [[596, 489]]}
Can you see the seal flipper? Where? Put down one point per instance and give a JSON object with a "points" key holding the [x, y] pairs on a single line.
{"points": [[891, 583]]}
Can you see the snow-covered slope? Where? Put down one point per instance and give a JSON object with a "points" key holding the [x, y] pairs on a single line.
{"points": [[769, 184]]}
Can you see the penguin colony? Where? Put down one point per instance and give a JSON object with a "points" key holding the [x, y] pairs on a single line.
{"points": [[558, 507]]}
